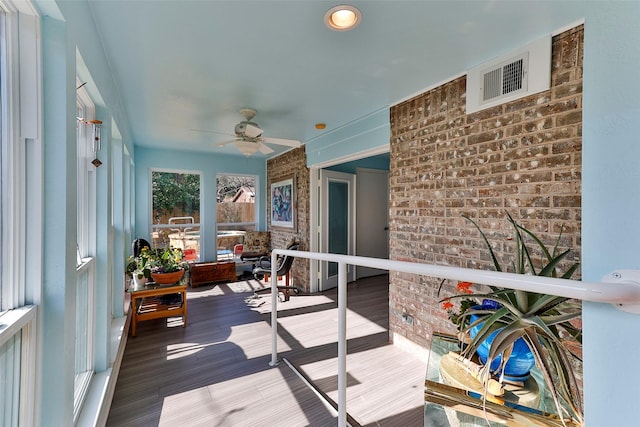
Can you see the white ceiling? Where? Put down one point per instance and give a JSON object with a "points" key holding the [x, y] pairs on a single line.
{"points": [[183, 65]]}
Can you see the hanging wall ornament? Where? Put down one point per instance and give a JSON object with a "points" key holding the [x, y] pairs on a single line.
{"points": [[96, 124]]}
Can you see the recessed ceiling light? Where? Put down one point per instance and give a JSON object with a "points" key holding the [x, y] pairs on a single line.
{"points": [[342, 18], [320, 125]]}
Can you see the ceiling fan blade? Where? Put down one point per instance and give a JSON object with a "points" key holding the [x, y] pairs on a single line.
{"points": [[220, 144], [212, 131], [288, 142], [264, 149]]}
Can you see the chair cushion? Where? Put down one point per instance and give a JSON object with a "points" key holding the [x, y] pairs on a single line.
{"points": [[256, 244]]}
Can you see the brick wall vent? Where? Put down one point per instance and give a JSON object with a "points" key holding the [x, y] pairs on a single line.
{"points": [[518, 74]]}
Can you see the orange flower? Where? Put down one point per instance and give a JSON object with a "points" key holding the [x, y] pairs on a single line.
{"points": [[447, 305], [463, 287]]}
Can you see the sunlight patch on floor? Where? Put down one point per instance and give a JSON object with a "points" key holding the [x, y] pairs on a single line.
{"points": [[253, 336], [363, 383], [313, 329], [262, 303], [262, 392]]}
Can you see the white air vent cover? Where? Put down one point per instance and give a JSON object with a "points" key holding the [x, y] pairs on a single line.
{"points": [[510, 77]]}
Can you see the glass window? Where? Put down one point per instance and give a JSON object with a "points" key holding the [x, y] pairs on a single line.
{"points": [[236, 210], [3, 140], [86, 238], [176, 211], [20, 197], [85, 111]]}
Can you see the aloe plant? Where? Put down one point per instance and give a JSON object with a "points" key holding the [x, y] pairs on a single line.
{"points": [[537, 318]]}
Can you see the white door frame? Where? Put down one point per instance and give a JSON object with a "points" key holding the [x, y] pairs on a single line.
{"points": [[314, 220]]}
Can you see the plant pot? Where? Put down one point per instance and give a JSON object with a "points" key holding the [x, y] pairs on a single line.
{"points": [[520, 362], [139, 281], [167, 278]]}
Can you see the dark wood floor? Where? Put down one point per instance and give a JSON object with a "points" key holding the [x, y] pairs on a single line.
{"points": [[215, 372]]}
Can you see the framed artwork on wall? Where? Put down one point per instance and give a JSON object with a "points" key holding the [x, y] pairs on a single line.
{"points": [[283, 203]]}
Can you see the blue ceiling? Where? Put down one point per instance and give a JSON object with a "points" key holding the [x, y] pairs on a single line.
{"points": [[185, 65]]}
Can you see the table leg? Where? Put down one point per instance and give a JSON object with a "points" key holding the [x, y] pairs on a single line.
{"points": [[134, 315], [184, 309]]}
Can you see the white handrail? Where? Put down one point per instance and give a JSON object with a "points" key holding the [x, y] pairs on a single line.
{"points": [[621, 291]]}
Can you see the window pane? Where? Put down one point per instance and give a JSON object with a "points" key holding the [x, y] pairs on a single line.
{"points": [[3, 138], [10, 370], [236, 210], [176, 210], [338, 221]]}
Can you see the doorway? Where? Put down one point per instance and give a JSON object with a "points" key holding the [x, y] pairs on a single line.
{"points": [[372, 220], [337, 218], [369, 213]]}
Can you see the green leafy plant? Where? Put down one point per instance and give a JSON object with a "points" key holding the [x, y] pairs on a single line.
{"points": [[156, 261], [543, 321]]}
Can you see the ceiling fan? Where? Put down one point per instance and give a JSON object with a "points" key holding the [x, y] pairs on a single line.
{"points": [[248, 136]]}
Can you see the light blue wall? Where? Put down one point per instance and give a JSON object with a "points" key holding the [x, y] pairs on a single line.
{"points": [[369, 133], [379, 162], [59, 269], [611, 202], [209, 165]]}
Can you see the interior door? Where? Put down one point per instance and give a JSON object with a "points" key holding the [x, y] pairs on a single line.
{"points": [[372, 225], [337, 218]]}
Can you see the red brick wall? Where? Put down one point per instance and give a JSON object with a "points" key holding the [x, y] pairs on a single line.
{"points": [[292, 163], [523, 157]]}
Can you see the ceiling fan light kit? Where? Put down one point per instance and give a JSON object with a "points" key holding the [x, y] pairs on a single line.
{"points": [[247, 148]]}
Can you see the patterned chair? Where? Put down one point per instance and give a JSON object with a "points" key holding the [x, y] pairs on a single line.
{"points": [[256, 245]]}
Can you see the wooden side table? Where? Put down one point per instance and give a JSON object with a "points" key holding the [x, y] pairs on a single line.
{"points": [[147, 303]]}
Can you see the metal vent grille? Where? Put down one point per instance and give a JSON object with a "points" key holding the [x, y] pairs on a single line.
{"points": [[512, 77], [516, 74], [492, 83], [505, 79]]}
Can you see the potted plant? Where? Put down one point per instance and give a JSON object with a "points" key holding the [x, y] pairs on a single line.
{"points": [[139, 268], [542, 322], [163, 266]]}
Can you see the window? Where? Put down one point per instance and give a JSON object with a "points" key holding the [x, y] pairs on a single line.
{"points": [[86, 238], [176, 211], [86, 175], [3, 139], [20, 201], [236, 210]]}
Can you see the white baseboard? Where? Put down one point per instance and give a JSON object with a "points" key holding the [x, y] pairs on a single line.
{"points": [[410, 347], [97, 404]]}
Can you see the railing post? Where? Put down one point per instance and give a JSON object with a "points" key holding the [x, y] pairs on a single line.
{"points": [[274, 310], [342, 344]]}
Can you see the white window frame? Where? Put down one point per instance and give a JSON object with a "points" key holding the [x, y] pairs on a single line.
{"points": [[86, 240], [21, 204]]}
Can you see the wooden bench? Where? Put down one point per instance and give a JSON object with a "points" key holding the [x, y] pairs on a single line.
{"points": [[211, 272]]}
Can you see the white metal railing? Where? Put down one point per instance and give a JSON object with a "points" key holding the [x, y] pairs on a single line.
{"points": [[621, 288]]}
